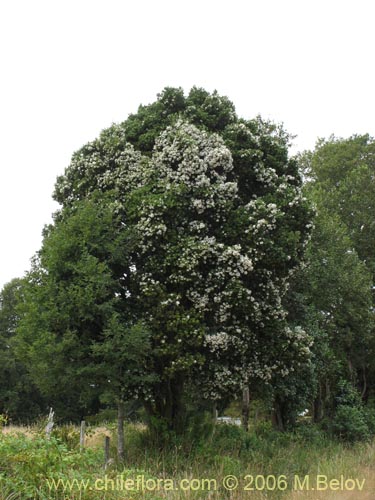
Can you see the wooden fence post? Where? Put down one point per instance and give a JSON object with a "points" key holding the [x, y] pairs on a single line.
{"points": [[120, 431], [106, 451], [245, 408], [50, 423], [82, 436]]}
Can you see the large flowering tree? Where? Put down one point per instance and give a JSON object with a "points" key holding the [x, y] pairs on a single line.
{"points": [[210, 211]]}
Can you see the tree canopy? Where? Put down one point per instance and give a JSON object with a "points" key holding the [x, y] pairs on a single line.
{"points": [[181, 226]]}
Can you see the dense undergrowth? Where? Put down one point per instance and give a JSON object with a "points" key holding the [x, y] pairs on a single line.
{"points": [[30, 465]]}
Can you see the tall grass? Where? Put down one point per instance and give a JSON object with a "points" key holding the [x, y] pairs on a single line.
{"points": [[205, 452]]}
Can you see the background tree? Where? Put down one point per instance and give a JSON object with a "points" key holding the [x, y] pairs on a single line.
{"points": [[332, 294], [19, 397], [335, 288], [343, 173]]}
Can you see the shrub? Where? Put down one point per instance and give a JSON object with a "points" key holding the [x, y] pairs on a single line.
{"points": [[26, 463], [347, 395], [369, 414], [349, 424], [3, 421], [68, 435]]}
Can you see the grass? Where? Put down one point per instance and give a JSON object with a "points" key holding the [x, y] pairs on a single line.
{"points": [[27, 459]]}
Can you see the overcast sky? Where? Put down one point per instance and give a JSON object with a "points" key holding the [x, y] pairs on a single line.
{"points": [[71, 68]]}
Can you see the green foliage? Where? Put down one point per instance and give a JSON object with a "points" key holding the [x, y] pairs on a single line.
{"points": [[167, 263], [72, 309], [210, 111], [369, 414], [337, 287], [338, 283], [352, 421], [3, 421], [68, 435], [26, 463], [333, 294], [19, 397], [349, 424], [347, 395], [104, 416]]}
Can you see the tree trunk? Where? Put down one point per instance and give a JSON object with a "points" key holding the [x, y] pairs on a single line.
{"points": [[317, 410], [318, 406], [214, 412], [245, 408], [177, 410], [168, 409], [277, 417], [351, 371], [256, 413], [364, 384], [120, 431]]}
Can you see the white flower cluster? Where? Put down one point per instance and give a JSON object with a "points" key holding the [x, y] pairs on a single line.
{"points": [[106, 163], [183, 223], [185, 155]]}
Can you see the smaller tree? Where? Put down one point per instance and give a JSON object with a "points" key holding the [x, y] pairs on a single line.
{"points": [[121, 360], [68, 296], [19, 397]]}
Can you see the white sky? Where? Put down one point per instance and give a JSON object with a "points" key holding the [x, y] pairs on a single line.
{"points": [[71, 68]]}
